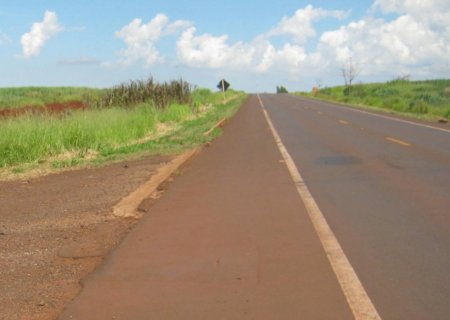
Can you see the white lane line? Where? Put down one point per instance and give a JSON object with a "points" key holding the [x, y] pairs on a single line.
{"points": [[349, 108], [357, 298]]}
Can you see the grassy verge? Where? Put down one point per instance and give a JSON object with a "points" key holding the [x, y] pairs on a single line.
{"points": [[96, 136], [423, 99]]}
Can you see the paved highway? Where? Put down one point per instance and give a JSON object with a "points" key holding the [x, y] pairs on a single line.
{"points": [[241, 233], [383, 185]]}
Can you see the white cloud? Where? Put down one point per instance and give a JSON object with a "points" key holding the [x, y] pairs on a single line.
{"points": [[140, 38], [433, 13], [259, 55], [33, 41], [289, 57], [416, 38], [414, 7], [300, 25], [212, 52]]}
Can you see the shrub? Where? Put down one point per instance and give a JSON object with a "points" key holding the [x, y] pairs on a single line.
{"points": [[281, 89]]}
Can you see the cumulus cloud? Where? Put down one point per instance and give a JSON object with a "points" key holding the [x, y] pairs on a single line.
{"points": [[419, 36], [290, 55], [33, 41], [140, 38], [212, 52], [259, 55], [300, 25], [415, 37]]}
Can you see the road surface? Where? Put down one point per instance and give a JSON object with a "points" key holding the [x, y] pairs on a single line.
{"points": [[384, 188], [233, 237]]}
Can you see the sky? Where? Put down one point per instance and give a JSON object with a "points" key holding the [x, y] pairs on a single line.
{"points": [[254, 45]]}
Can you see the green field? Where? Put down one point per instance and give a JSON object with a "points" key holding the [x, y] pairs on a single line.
{"points": [[39, 96], [428, 99], [101, 134]]}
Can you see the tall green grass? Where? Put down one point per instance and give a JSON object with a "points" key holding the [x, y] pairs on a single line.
{"points": [[431, 98], [37, 138], [33, 138]]}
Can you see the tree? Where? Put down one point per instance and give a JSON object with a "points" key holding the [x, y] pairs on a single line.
{"points": [[349, 71], [281, 89]]}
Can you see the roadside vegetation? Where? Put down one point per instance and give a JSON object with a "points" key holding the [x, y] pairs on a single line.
{"points": [[39, 96], [133, 119], [427, 99]]}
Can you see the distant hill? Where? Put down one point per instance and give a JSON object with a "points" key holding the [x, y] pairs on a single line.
{"points": [[430, 98]]}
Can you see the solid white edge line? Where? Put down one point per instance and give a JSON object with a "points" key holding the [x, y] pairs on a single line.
{"points": [[357, 297], [350, 108]]}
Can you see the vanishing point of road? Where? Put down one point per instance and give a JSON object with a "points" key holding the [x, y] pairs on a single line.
{"points": [[301, 210]]}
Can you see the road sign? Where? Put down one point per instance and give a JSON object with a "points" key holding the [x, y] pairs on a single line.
{"points": [[223, 85]]}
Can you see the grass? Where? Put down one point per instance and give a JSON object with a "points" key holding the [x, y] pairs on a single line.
{"points": [[189, 135], [31, 138], [129, 94], [39, 96], [426, 99], [96, 136]]}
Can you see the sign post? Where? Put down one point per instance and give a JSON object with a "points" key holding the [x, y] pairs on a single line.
{"points": [[223, 86]]}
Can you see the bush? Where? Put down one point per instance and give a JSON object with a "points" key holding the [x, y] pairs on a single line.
{"points": [[281, 89]]}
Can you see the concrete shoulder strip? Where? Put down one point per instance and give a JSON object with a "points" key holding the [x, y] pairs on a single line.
{"points": [[128, 205], [357, 298]]}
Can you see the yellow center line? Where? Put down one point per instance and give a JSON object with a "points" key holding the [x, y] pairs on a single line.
{"points": [[397, 141], [344, 122]]}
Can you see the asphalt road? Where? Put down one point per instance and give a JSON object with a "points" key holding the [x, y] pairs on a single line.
{"points": [[383, 185], [232, 239]]}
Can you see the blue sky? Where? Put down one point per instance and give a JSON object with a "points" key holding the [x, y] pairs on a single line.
{"points": [[254, 45]]}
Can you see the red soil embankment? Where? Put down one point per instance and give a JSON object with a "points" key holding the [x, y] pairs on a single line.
{"points": [[50, 108]]}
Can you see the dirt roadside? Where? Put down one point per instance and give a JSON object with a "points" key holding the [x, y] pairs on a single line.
{"points": [[54, 230]]}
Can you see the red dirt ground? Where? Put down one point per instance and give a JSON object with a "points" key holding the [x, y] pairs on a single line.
{"points": [[51, 108], [56, 229]]}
